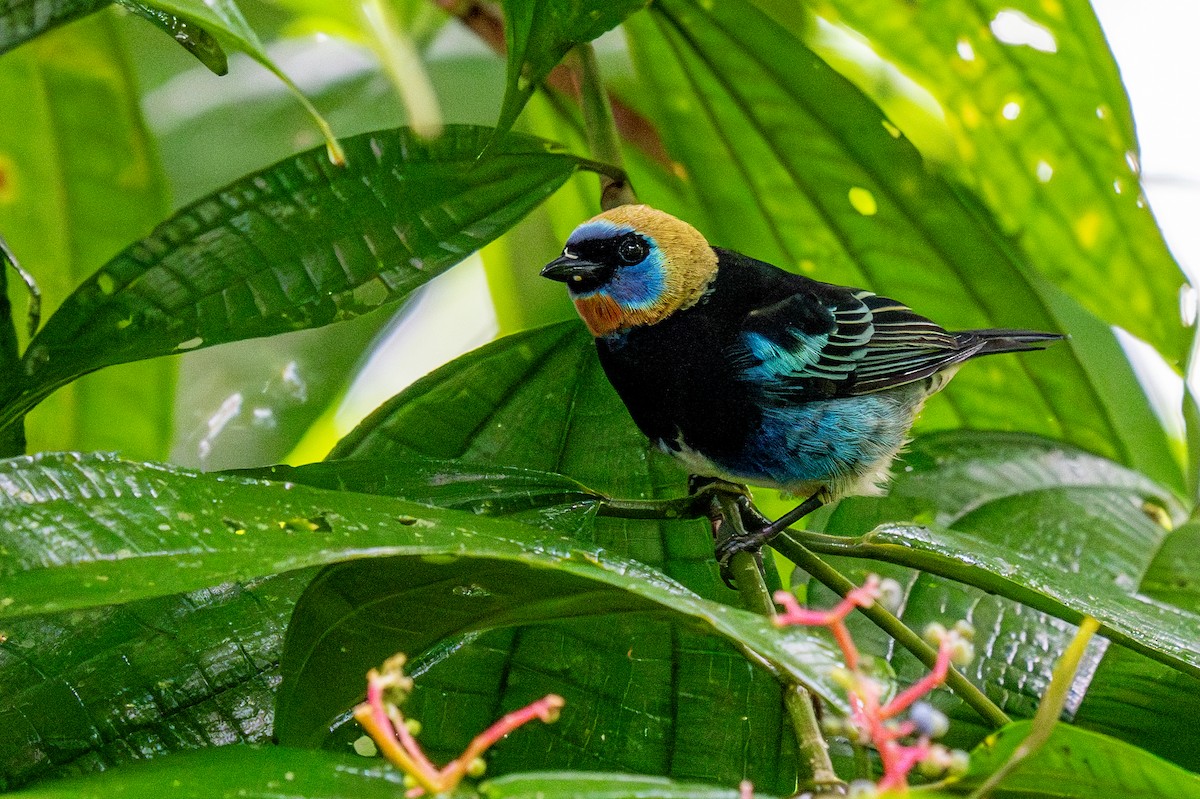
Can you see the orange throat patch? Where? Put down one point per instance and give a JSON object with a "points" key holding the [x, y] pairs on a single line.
{"points": [[601, 314]]}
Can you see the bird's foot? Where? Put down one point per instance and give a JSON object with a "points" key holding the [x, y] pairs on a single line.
{"points": [[751, 531]]}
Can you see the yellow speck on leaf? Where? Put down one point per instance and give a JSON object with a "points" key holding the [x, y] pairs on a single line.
{"points": [[863, 201], [1087, 229]]}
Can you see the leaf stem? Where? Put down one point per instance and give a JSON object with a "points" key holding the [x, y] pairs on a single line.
{"points": [[601, 130], [831, 578], [796, 697]]}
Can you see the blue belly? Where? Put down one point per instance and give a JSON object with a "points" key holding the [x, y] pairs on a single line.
{"points": [[826, 440]]}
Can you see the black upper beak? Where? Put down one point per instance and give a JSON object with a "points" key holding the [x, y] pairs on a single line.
{"points": [[571, 270]]}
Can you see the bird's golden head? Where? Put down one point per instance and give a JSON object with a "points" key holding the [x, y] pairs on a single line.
{"points": [[631, 266]]}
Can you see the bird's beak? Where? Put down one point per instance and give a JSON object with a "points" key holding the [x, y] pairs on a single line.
{"points": [[569, 270]]}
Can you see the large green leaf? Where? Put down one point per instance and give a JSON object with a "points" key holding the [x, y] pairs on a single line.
{"points": [[539, 33], [356, 614], [1052, 528], [539, 400], [540, 498], [1077, 764], [1146, 703], [298, 245], [799, 168], [82, 180], [22, 20], [1044, 134], [241, 772], [1084, 517], [236, 772], [83, 531], [87, 690]]}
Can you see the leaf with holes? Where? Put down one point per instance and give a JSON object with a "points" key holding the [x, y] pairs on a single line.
{"points": [[297, 245]]}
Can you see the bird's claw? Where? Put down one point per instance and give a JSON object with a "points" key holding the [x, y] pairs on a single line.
{"points": [[751, 541]]}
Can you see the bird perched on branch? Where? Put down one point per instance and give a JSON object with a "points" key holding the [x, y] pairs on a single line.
{"points": [[750, 374]]}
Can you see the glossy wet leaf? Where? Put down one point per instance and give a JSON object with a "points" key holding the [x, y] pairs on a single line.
{"points": [[797, 167], [539, 400], [1078, 764], [190, 36], [539, 33], [264, 772], [88, 690], [297, 245], [82, 179], [359, 613], [541, 498], [1092, 523], [579, 784], [22, 20], [1043, 131], [1146, 703], [236, 772], [1054, 528], [115, 531]]}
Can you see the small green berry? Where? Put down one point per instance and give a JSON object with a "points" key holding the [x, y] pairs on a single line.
{"points": [[477, 768]]}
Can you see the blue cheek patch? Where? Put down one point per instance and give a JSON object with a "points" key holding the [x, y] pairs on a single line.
{"points": [[641, 286]]}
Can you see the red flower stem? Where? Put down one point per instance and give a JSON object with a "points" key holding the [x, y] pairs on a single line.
{"points": [[375, 721], [923, 686], [846, 643], [545, 709]]}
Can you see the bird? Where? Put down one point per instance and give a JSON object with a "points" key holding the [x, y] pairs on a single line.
{"points": [[749, 374]]}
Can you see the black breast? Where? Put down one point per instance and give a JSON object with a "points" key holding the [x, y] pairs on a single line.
{"points": [[680, 375]]}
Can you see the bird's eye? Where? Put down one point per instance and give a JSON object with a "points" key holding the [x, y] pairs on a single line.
{"points": [[633, 250]]}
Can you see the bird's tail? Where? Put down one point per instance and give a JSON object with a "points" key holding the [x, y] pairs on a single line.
{"points": [[1010, 340]]}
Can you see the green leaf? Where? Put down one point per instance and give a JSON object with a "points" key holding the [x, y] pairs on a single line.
{"points": [[539, 400], [1078, 763], [125, 531], [81, 180], [86, 690], [241, 772], [540, 498], [357, 614], [1061, 174], [191, 37], [223, 21], [298, 245], [236, 772], [12, 440], [576, 785], [1056, 529], [22, 20], [1146, 703], [798, 167], [540, 32]]}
